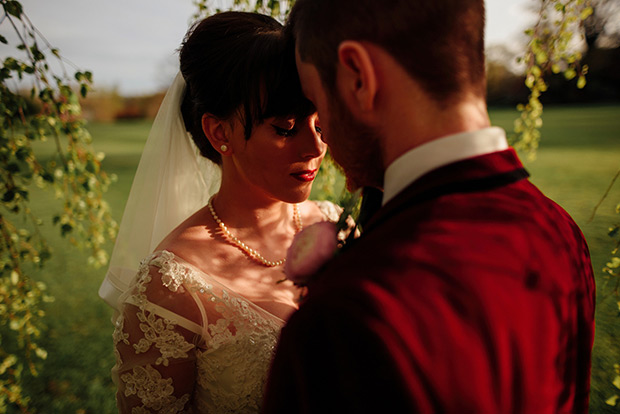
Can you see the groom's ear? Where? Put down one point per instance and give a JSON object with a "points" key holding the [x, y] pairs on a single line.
{"points": [[357, 75], [216, 130]]}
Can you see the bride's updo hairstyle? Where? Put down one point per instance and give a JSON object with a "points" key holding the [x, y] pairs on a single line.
{"points": [[238, 64]]}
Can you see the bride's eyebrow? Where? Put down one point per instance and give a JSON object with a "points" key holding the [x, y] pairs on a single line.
{"points": [[290, 119]]}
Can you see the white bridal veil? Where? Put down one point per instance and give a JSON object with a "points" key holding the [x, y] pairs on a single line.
{"points": [[172, 181]]}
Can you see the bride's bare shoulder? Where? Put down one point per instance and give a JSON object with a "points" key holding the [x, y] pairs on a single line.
{"points": [[193, 239]]}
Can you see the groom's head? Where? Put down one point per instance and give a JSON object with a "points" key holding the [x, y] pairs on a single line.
{"points": [[438, 44]]}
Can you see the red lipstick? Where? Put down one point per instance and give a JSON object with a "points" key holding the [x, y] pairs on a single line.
{"points": [[305, 176]]}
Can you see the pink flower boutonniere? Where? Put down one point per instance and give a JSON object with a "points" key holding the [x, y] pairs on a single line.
{"points": [[311, 248], [318, 243]]}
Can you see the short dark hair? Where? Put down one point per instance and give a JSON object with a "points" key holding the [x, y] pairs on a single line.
{"points": [[440, 43], [237, 63]]}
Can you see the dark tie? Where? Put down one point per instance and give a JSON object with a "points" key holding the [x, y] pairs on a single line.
{"points": [[371, 203]]}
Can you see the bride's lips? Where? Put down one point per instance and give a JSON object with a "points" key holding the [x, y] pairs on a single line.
{"points": [[305, 176]]}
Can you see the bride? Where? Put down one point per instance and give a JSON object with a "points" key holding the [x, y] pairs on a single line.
{"points": [[197, 324]]}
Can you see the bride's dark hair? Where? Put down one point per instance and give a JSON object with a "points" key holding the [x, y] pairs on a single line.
{"points": [[237, 63]]}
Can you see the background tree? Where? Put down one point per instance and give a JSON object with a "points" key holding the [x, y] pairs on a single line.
{"points": [[43, 143]]}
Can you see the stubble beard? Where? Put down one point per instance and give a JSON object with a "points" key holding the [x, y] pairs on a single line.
{"points": [[358, 149]]}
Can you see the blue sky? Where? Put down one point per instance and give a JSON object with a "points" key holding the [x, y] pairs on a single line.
{"points": [[130, 44]]}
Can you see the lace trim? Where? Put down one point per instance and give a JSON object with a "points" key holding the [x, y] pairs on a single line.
{"points": [[118, 335], [235, 309], [160, 332], [154, 391], [157, 331]]}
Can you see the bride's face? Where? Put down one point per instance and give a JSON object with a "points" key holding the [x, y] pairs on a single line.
{"points": [[281, 158]]}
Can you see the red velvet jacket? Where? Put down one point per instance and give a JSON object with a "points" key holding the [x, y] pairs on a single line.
{"points": [[469, 292]]}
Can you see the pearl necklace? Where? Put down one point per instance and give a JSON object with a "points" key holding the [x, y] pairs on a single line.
{"points": [[253, 254]]}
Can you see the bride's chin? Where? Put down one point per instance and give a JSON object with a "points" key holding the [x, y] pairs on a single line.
{"points": [[296, 197]]}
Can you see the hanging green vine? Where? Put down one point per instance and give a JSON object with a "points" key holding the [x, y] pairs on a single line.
{"points": [[40, 109], [551, 49]]}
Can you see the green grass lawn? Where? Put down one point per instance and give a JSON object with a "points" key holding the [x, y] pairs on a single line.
{"points": [[578, 156]]}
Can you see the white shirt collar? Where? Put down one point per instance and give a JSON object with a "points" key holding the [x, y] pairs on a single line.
{"points": [[413, 164]]}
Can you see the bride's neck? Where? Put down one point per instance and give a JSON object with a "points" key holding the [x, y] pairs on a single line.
{"points": [[240, 210]]}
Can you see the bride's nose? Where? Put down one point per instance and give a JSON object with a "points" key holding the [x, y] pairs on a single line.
{"points": [[311, 142]]}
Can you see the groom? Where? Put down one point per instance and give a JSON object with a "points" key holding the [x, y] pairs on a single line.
{"points": [[469, 290]]}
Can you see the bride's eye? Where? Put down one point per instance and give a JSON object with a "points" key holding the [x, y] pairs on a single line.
{"points": [[285, 132], [317, 126]]}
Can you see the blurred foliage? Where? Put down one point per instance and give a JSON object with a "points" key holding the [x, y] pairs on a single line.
{"points": [[39, 108], [551, 49], [276, 8]]}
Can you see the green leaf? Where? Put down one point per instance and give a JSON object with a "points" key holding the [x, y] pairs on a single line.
{"points": [[45, 255], [614, 264], [41, 353], [8, 362], [66, 228], [14, 277], [581, 82], [612, 400], [12, 167], [47, 177], [3, 40], [587, 12], [13, 8], [91, 167], [36, 53], [570, 73]]}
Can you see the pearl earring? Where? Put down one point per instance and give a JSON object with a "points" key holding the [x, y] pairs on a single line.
{"points": [[224, 147]]}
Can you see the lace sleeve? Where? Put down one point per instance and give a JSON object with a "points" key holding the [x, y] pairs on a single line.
{"points": [[156, 338]]}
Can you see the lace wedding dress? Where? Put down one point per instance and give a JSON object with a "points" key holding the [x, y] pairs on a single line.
{"points": [[185, 343]]}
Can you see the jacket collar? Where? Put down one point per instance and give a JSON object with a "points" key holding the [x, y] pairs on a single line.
{"points": [[439, 152], [481, 173]]}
